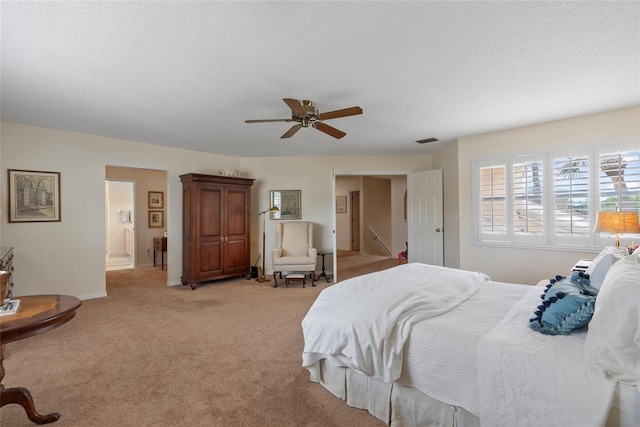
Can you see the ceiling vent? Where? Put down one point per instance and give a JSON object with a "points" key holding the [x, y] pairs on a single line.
{"points": [[425, 141]]}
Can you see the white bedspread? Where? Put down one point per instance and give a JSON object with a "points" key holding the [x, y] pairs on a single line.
{"points": [[440, 354], [364, 322], [530, 379]]}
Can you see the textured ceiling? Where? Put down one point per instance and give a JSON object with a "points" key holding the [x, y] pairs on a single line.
{"points": [[187, 74]]}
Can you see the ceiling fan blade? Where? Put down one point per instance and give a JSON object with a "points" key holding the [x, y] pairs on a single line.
{"points": [[292, 131], [295, 105], [352, 111], [322, 127], [268, 120]]}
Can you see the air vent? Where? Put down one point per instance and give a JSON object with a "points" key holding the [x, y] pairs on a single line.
{"points": [[425, 141]]}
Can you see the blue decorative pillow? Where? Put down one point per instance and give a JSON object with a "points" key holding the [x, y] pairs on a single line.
{"points": [[580, 277], [566, 305]]}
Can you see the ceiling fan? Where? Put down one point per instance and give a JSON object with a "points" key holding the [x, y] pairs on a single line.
{"points": [[306, 114]]}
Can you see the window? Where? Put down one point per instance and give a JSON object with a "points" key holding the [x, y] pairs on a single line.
{"points": [[551, 198]]}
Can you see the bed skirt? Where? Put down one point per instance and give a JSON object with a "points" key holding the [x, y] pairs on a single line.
{"points": [[401, 406], [394, 404]]}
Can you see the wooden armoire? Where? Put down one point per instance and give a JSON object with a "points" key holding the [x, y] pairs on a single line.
{"points": [[216, 237]]}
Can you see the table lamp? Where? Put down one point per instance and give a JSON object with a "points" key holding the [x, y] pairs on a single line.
{"points": [[617, 222], [263, 278]]}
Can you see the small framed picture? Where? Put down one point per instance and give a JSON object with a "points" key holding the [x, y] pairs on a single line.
{"points": [[288, 203], [156, 200], [34, 196], [341, 204], [156, 219]]}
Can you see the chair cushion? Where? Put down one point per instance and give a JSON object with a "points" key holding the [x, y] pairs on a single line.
{"points": [[295, 239], [293, 260]]}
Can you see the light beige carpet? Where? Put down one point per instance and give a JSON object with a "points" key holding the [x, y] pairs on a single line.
{"points": [[225, 354], [351, 266]]}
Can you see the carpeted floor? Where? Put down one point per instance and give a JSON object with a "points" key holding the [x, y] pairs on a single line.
{"points": [[225, 354], [356, 265]]}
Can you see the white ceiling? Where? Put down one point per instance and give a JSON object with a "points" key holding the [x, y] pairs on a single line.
{"points": [[187, 74]]}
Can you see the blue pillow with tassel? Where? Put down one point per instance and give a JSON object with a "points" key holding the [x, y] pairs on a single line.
{"points": [[567, 304]]}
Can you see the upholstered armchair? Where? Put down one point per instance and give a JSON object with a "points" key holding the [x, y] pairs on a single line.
{"points": [[295, 251]]}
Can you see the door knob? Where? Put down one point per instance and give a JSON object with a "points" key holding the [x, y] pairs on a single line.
{"points": [[438, 230]]}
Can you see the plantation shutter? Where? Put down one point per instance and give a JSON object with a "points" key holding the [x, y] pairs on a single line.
{"points": [[619, 181], [493, 202], [571, 216]]}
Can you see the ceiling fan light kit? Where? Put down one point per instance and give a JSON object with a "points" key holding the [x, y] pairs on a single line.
{"points": [[306, 115]]}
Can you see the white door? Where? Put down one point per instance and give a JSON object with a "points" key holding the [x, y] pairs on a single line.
{"points": [[425, 217]]}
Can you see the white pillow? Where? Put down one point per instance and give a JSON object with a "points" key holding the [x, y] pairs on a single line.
{"points": [[613, 338], [600, 265]]}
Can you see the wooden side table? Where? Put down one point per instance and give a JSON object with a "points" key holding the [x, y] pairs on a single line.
{"points": [[324, 274], [36, 314], [159, 245]]}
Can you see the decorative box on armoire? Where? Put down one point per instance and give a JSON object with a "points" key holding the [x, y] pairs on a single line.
{"points": [[216, 225]]}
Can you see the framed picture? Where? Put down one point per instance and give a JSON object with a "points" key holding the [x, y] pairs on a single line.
{"points": [[156, 219], [34, 196], [288, 203], [156, 200], [341, 204]]}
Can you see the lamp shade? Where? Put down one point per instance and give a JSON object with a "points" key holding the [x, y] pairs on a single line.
{"points": [[617, 222]]}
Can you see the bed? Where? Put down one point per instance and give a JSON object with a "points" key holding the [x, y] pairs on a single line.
{"points": [[425, 345]]}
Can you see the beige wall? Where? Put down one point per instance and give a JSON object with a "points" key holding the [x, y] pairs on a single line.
{"points": [[376, 216], [314, 176], [68, 257], [528, 265]]}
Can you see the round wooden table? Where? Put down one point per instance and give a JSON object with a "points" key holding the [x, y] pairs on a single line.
{"points": [[36, 314]]}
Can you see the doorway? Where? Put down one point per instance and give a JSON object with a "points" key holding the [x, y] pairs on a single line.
{"points": [[119, 225], [373, 228]]}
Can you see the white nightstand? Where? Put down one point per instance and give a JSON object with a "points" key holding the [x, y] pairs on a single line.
{"points": [[582, 265]]}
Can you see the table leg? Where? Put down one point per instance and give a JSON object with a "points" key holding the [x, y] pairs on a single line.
{"points": [[22, 397], [323, 274]]}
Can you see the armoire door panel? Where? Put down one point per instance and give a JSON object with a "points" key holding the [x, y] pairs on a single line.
{"points": [[234, 254], [210, 212], [236, 210], [210, 257]]}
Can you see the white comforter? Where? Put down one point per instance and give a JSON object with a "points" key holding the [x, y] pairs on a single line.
{"points": [[440, 355], [530, 379], [364, 322]]}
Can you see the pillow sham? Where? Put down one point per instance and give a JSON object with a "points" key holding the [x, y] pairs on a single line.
{"points": [[566, 305], [600, 265], [613, 338]]}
